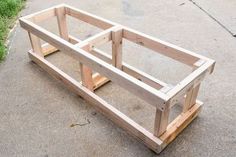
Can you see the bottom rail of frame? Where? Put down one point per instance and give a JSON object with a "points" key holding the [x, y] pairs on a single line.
{"points": [[157, 144]]}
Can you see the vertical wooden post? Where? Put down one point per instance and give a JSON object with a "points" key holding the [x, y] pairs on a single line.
{"points": [[191, 95], [61, 20], [190, 98], [35, 43], [117, 47], [86, 74], [161, 121]]}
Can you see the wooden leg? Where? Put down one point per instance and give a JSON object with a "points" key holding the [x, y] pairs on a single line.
{"points": [[194, 95], [161, 121], [117, 48], [191, 97], [86, 74], [180, 122], [61, 20], [36, 44]]}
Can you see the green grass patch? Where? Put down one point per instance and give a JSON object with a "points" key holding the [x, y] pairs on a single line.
{"points": [[9, 9]]}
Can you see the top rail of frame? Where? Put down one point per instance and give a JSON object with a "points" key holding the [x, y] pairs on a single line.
{"points": [[172, 51]]}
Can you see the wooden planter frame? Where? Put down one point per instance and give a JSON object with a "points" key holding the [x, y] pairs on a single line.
{"points": [[111, 68]]}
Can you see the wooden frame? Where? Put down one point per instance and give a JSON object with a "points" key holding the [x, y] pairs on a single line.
{"points": [[111, 68]]}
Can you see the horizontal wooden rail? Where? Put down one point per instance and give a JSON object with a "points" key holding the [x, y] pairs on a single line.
{"points": [[96, 40], [42, 15], [89, 18]]}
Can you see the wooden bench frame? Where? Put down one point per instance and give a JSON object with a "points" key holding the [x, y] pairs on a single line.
{"points": [[111, 68]]}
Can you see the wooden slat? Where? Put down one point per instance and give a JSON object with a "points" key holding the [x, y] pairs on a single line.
{"points": [[61, 20], [142, 90], [112, 113], [89, 18]]}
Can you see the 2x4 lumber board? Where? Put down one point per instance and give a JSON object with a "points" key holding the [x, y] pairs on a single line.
{"points": [[138, 88], [187, 100], [42, 15], [99, 81], [141, 76], [191, 97], [48, 49], [61, 20], [73, 40], [194, 95], [144, 77], [96, 40], [117, 47], [86, 74], [192, 80], [164, 48], [109, 111], [179, 123], [35, 44], [89, 18], [161, 121]]}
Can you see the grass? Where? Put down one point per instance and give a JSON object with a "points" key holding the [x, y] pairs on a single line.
{"points": [[9, 9]]}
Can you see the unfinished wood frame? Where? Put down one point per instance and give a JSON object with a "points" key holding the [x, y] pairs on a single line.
{"points": [[111, 68]]}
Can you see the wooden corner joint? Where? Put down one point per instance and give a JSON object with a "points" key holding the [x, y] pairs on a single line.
{"points": [[180, 123]]}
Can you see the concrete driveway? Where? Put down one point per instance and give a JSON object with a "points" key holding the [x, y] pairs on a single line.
{"points": [[37, 113]]}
